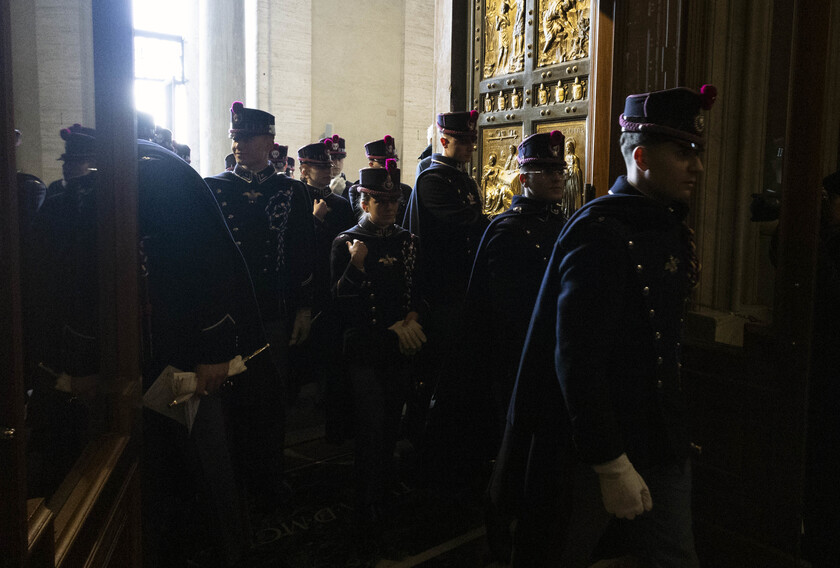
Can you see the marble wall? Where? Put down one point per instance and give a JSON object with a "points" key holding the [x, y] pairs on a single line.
{"points": [[361, 69], [53, 78]]}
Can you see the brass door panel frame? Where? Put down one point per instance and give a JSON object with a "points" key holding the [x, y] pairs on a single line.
{"points": [[520, 85], [574, 132], [498, 179]]}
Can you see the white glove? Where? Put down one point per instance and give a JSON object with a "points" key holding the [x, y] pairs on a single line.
{"points": [[337, 185], [623, 490], [414, 331], [410, 335]]}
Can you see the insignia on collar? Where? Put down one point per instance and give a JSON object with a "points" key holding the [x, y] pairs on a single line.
{"points": [[252, 195], [471, 199], [672, 264], [388, 260]]}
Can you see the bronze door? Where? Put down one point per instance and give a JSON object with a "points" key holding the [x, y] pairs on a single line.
{"points": [[530, 73]]}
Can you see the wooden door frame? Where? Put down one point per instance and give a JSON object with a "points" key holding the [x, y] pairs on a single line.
{"points": [[98, 524], [13, 525]]}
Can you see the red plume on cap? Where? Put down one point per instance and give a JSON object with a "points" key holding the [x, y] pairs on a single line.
{"points": [[66, 133], [390, 165], [336, 138], [555, 138], [473, 115], [237, 107], [708, 94], [389, 140]]}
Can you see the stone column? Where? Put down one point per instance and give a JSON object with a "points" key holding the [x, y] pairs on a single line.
{"points": [[418, 86], [222, 76]]}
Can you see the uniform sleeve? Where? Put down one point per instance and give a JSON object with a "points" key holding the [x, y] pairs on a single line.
{"points": [[199, 288], [441, 202], [506, 266], [347, 280], [300, 249], [592, 278], [414, 271]]}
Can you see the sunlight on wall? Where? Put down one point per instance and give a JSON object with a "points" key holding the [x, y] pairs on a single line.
{"points": [[158, 64]]}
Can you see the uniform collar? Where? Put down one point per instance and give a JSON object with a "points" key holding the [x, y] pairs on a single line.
{"points": [[318, 193], [443, 160], [253, 177], [369, 227], [624, 187], [522, 204]]}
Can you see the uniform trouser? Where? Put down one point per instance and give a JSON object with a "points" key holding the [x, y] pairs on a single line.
{"points": [[660, 538], [319, 360], [379, 395], [459, 432], [177, 467], [259, 416]]}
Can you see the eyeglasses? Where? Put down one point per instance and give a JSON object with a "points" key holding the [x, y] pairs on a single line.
{"points": [[560, 171]]}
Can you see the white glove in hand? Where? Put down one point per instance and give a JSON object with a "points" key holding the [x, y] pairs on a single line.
{"points": [[410, 335], [337, 185], [624, 491], [415, 333]]}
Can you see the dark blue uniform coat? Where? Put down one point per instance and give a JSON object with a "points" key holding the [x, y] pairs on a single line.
{"points": [[445, 212], [509, 267], [339, 218], [600, 369], [371, 301], [270, 217]]}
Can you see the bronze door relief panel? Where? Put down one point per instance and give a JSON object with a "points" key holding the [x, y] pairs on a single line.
{"points": [[531, 66], [499, 178], [574, 132]]}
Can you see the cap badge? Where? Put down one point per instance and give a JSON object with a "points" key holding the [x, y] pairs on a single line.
{"points": [[236, 118], [389, 185], [699, 123], [471, 124], [390, 150], [672, 264], [555, 150]]}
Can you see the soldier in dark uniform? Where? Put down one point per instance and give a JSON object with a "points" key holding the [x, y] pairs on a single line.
{"points": [[425, 157], [79, 156], [337, 148], [377, 153], [290, 167], [200, 313], [277, 158], [270, 217], [319, 360], [374, 269], [163, 137], [509, 267], [445, 212], [183, 151], [598, 399], [145, 126]]}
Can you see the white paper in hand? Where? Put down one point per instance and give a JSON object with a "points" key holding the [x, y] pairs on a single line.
{"points": [[161, 394]]}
